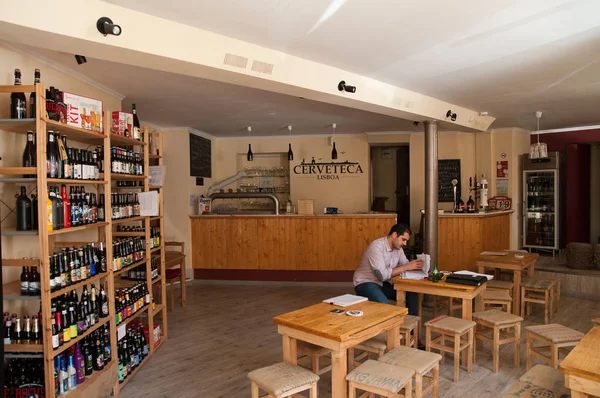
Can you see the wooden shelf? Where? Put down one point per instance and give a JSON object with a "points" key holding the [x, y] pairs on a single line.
{"points": [[131, 318], [124, 220], [129, 234], [71, 181], [126, 177], [130, 376], [75, 133], [156, 249], [157, 279], [155, 187], [21, 126], [18, 180], [76, 229], [159, 308], [14, 348], [155, 218], [77, 285], [17, 262], [130, 266], [12, 291], [18, 171], [13, 232], [77, 339], [154, 156], [119, 139], [86, 389]]}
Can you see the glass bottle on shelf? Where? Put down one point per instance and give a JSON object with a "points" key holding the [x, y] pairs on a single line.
{"points": [[18, 105], [29, 157]]}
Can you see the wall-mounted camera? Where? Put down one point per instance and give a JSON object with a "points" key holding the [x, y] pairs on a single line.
{"points": [[342, 86], [451, 115]]}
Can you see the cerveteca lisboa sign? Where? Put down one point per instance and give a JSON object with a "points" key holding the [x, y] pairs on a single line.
{"points": [[327, 170]]}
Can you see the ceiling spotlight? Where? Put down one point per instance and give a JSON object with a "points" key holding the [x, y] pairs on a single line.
{"points": [[342, 86], [415, 124], [80, 59], [106, 26], [451, 115]]}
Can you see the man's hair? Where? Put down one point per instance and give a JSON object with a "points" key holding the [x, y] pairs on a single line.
{"points": [[400, 229]]}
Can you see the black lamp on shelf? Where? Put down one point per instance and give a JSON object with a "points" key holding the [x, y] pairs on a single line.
{"points": [[249, 155]]}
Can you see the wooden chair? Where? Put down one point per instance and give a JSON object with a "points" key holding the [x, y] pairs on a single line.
{"points": [[422, 363], [494, 298], [498, 328], [175, 258], [376, 345], [411, 325], [456, 330], [282, 380], [540, 291], [380, 378], [554, 338], [495, 284], [314, 353]]}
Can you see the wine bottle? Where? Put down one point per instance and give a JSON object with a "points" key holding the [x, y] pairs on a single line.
{"points": [[32, 104], [52, 162], [470, 205], [23, 211], [29, 158], [18, 104], [137, 133]]}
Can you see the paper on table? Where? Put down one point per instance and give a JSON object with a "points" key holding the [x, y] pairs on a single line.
{"points": [[493, 253], [345, 300], [148, 203], [426, 258], [474, 274], [414, 275]]}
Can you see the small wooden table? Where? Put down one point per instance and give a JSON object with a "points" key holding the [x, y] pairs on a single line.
{"points": [[317, 325], [510, 262], [582, 366]]}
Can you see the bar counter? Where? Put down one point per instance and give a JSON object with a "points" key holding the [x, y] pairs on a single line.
{"points": [[461, 237], [283, 247]]}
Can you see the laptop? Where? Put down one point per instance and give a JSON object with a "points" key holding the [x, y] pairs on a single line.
{"points": [[472, 280]]}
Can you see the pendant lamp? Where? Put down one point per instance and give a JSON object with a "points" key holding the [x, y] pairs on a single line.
{"points": [[249, 155], [333, 151], [290, 153], [539, 149]]}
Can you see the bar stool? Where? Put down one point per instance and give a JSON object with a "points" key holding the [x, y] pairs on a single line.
{"points": [[495, 327], [495, 284], [314, 352], [380, 378], [441, 302], [554, 338], [459, 331], [497, 298], [411, 324], [282, 380], [540, 291], [422, 363]]}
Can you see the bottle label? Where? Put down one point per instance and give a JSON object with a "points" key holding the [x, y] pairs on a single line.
{"points": [[121, 376], [25, 288], [7, 340], [105, 309], [34, 287], [74, 330], [55, 341], [80, 326]]}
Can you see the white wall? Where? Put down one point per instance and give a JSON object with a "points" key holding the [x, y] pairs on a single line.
{"points": [[595, 194]]}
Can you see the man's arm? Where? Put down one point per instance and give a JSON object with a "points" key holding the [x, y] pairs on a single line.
{"points": [[377, 263]]}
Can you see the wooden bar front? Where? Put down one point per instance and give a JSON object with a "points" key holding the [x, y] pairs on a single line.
{"points": [[284, 242], [461, 237]]}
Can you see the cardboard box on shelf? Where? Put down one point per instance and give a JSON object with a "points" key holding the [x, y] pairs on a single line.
{"points": [[156, 334], [204, 205], [122, 124], [83, 112]]}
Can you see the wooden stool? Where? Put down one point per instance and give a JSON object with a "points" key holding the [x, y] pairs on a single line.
{"points": [[380, 378], [422, 363], [460, 331], [441, 302], [540, 381], [495, 298], [314, 352], [411, 324], [175, 258], [498, 325], [376, 345], [554, 337], [539, 291], [495, 284], [282, 380]]}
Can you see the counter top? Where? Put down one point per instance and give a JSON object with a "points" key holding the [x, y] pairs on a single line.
{"points": [[488, 214], [353, 215]]}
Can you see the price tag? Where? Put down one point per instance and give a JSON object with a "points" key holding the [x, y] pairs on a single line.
{"points": [[121, 332]]}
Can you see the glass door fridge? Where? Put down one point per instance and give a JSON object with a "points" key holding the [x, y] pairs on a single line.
{"points": [[541, 207]]}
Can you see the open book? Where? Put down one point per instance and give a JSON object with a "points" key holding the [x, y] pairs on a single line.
{"points": [[345, 300]]}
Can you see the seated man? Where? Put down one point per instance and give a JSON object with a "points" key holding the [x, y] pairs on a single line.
{"points": [[383, 260]]}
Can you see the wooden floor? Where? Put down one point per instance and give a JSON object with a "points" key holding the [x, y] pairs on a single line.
{"points": [[227, 330]]}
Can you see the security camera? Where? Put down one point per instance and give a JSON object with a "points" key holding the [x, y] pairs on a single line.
{"points": [[342, 86], [415, 124]]}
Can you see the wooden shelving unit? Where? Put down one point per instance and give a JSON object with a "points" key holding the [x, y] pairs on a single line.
{"points": [[47, 242]]}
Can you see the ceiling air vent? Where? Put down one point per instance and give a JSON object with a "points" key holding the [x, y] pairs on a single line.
{"points": [[262, 67], [235, 60]]}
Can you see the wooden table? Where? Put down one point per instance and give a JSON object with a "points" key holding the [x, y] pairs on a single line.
{"points": [[317, 325], [582, 366], [510, 262]]}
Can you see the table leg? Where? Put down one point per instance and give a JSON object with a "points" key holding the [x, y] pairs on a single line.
{"points": [[182, 282], [339, 371], [467, 313], [531, 270], [420, 308], [290, 350], [578, 394], [517, 293], [393, 338], [401, 298]]}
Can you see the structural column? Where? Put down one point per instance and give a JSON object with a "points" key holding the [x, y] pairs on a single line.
{"points": [[431, 189]]}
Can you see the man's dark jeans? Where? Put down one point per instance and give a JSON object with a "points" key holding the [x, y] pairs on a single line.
{"points": [[374, 292]]}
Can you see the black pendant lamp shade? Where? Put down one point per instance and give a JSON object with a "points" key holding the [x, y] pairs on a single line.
{"points": [[249, 155], [290, 153]]}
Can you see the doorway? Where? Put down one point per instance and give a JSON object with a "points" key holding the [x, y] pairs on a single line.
{"points": [[390, 180]]}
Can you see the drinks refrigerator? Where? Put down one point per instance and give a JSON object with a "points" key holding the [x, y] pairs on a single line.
{"points": [[542, 202]]}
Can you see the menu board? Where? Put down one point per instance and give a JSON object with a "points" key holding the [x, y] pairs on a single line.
{"points": [[448, 170], [200, 157]]}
